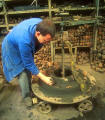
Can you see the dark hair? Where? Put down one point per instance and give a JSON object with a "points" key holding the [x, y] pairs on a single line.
{"points": [[46, 27]]}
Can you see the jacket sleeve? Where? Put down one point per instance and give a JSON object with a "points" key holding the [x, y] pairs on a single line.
{"points": [[27, 57]]}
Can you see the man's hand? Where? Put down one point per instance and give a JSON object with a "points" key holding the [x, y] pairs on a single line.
{"points": [[47, 80]]}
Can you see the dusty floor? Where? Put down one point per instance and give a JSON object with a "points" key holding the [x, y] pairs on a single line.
{"points": [[12, 107]]}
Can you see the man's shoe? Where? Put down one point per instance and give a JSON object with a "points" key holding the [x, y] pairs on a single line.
{"points": [[28, 101]]}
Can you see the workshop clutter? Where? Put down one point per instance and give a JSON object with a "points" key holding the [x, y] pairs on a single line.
{"points": [[43, 57], [3, 31], [98, 55], [43, 61], [83, 57], [78, 35], [80, 38], [15, 20], [81, 35]]}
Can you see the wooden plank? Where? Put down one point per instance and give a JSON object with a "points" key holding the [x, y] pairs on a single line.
{"points": [[7, 0], [11, 25], [30, 11], [79, 8], [2, 25], [78, 22], [49, 5]]}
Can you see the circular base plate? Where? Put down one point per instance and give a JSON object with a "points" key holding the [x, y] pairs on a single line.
{"points": [[64, 91]]}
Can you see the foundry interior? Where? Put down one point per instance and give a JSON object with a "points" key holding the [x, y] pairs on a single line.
{"points": [[74, 59]]}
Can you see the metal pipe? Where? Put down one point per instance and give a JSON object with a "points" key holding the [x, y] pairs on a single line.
{"points": [[96, 26], [63, 68]]}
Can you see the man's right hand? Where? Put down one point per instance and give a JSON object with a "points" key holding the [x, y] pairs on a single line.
{"points": [[47, 80]]}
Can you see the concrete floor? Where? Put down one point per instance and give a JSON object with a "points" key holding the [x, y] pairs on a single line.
{"points": [[12, 107]]}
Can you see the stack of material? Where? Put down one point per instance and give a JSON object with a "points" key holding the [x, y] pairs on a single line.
{"points": [[82, 57], [78, 35], [81, 35], [43, 57], [58, 38], [14, 20], [98, 62], [98, 59]]}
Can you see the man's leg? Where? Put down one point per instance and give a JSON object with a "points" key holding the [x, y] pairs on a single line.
{"points": [[25, 85], [29, 80]]}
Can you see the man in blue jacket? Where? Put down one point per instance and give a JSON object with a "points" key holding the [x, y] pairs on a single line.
{"points": [[18, 49]]}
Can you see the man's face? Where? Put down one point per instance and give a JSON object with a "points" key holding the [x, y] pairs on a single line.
{"points": [[43, 39]]}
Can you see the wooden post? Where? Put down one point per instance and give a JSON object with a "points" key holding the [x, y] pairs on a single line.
{"points": [[5, 15], [49, 5], [96, 26]]}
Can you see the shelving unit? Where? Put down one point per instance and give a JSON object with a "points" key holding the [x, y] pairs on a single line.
{"points": [[94, 22], [6, 13], [49, 11]]}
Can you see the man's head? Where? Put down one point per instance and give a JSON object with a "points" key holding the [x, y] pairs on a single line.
{"points": [[45, 31]]}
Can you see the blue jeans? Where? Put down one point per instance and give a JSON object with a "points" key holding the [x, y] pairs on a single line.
{"points": [[25, 83]]}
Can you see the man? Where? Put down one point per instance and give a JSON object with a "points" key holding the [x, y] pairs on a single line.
{"points": [[18, 49]]}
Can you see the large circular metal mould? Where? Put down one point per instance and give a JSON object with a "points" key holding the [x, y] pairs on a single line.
{"points": [[64, 91]]}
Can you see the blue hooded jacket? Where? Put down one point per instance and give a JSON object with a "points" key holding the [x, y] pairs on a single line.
{"points": [[18, 49]]}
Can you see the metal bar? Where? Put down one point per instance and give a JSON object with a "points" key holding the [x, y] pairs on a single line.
{"points": [[28, 11], [5, 15], [97, 7], [52, 51], [63, 67], [96, 26], [49, 5], [95, 39], [79, 22]]}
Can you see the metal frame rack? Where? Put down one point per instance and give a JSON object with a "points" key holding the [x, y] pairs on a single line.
{"points": [[5, 13], [50, 11]]}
